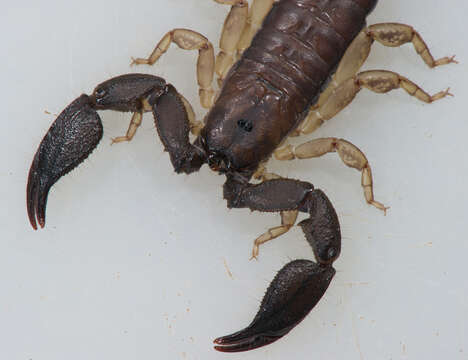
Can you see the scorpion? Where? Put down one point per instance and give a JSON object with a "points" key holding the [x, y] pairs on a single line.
{"points": [[284, 68]]}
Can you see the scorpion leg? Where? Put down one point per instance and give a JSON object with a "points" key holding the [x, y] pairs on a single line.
{"points": [[388, 34], [135, 123], [300, 284], [78, 129], [258, 11], [288, 218], [232, 30], [394, 34], [189, 40], [240, 27], [195, 125], [349, 154], [379, 81]]}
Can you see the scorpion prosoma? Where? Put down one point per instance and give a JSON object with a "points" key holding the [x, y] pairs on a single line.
{"points": [[284, 68]]}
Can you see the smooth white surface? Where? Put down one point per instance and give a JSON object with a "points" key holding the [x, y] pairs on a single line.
{"points": [[132, 262]]}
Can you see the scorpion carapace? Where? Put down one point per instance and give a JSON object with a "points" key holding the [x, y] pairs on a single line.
{"points": [[298, 66]]}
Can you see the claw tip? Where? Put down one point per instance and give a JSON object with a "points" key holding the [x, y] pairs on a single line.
{"points": [[218, 341]]}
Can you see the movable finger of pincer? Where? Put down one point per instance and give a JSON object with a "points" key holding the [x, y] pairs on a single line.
{"points": [[71, 138]]}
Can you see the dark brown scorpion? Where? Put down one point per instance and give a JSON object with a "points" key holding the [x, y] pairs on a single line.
{"points": [[284, 68]]}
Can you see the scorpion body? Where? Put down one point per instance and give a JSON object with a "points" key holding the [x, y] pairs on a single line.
{"points": [[284, 68], [269, 91]]}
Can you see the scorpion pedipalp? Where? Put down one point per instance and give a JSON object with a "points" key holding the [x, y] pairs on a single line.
{"points": [[300, 284], [78, 129]]}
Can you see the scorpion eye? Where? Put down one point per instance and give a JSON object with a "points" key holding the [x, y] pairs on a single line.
{"points": [[100, 92], [245, 125]]}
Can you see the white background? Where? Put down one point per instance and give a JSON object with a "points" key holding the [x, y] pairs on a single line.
{"points": [[133, 261]]}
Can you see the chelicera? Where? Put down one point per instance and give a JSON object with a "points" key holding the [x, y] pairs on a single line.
{"points": [[284, 68]]}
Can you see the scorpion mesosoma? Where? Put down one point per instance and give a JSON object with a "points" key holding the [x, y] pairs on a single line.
{"points": [[284, 68]]}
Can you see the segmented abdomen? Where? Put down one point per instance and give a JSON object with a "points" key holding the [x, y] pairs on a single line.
{"points": [[302, 41]]}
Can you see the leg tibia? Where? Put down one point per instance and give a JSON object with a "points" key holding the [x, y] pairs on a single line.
{"points": [[393, 34]]}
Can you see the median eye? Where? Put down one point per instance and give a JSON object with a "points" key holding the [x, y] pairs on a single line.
{"points": [[100, 92], [245, 125]]}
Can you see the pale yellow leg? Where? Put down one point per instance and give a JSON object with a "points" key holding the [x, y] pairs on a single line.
{"points": [[263, 175], [394, 34], [189, 40], [388, 34], [378, 81], [288, 218], [230, 36], [135, 122], [257, 13], [240, 27], [195, 126], [349, 154]]}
